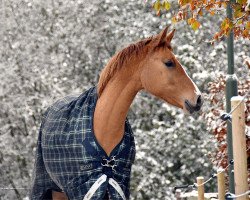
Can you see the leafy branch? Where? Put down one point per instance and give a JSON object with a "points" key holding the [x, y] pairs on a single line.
{"points": [[192, 10]]}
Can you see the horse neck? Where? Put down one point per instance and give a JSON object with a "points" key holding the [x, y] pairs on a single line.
{"points": [[113, 105]]}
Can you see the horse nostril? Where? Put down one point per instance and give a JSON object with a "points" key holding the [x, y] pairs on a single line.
{"points": [[199, 101]]}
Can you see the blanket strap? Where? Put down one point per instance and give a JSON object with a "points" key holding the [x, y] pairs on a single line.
{"points": [[117, 188], [99, 182], [95, 186]]}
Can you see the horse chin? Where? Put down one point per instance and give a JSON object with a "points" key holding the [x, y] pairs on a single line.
{"points": [[191, 108], [186, 111]]}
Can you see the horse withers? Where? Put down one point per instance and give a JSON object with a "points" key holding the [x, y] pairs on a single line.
{"points": [[86, 146]]}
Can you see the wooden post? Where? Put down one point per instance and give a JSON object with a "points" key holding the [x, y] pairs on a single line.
{"points": [[239, 146], [201, 191], [178, 194], [221, 184]]}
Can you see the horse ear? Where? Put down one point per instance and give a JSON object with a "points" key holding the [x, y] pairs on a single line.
{"points": [[161, 37], [170, 36]]}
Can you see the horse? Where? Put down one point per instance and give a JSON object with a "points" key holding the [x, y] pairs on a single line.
{"points": [[86, 146]]}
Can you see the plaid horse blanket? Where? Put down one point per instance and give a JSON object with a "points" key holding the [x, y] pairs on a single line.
{"points": [[69, 158]]}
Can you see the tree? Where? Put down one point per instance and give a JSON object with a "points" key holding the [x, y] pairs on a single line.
{"points": [[219, 130], [192, 10]]}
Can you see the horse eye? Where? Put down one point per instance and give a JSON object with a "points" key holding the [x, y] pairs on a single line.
{"points": [[169, 63]]}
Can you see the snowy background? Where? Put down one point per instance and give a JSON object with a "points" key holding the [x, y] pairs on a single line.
{"points": [[52, 48]]}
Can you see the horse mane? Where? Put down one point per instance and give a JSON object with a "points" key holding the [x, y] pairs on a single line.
{"points": [[119, 60]]}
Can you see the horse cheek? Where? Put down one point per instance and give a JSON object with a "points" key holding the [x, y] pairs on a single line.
{"points": [[147, 79], [152, 81]]}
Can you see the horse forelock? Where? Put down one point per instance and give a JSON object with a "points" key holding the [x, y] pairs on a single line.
{"points": [[120, 60]]}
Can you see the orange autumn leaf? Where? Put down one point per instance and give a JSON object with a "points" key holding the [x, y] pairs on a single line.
{"points": [[212, 13], [191, 21], [167, 5], [157, 5], [200, 12], [195, 25], [245, 33], [247, 25]]}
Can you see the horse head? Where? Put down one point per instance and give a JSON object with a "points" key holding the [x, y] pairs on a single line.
{"points": [[162, 75]]}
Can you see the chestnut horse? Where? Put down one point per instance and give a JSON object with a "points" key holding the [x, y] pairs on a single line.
{"points": [[149, 65]]}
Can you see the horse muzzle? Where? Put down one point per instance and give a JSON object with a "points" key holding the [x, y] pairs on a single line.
{"points": [[194, 108]]}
